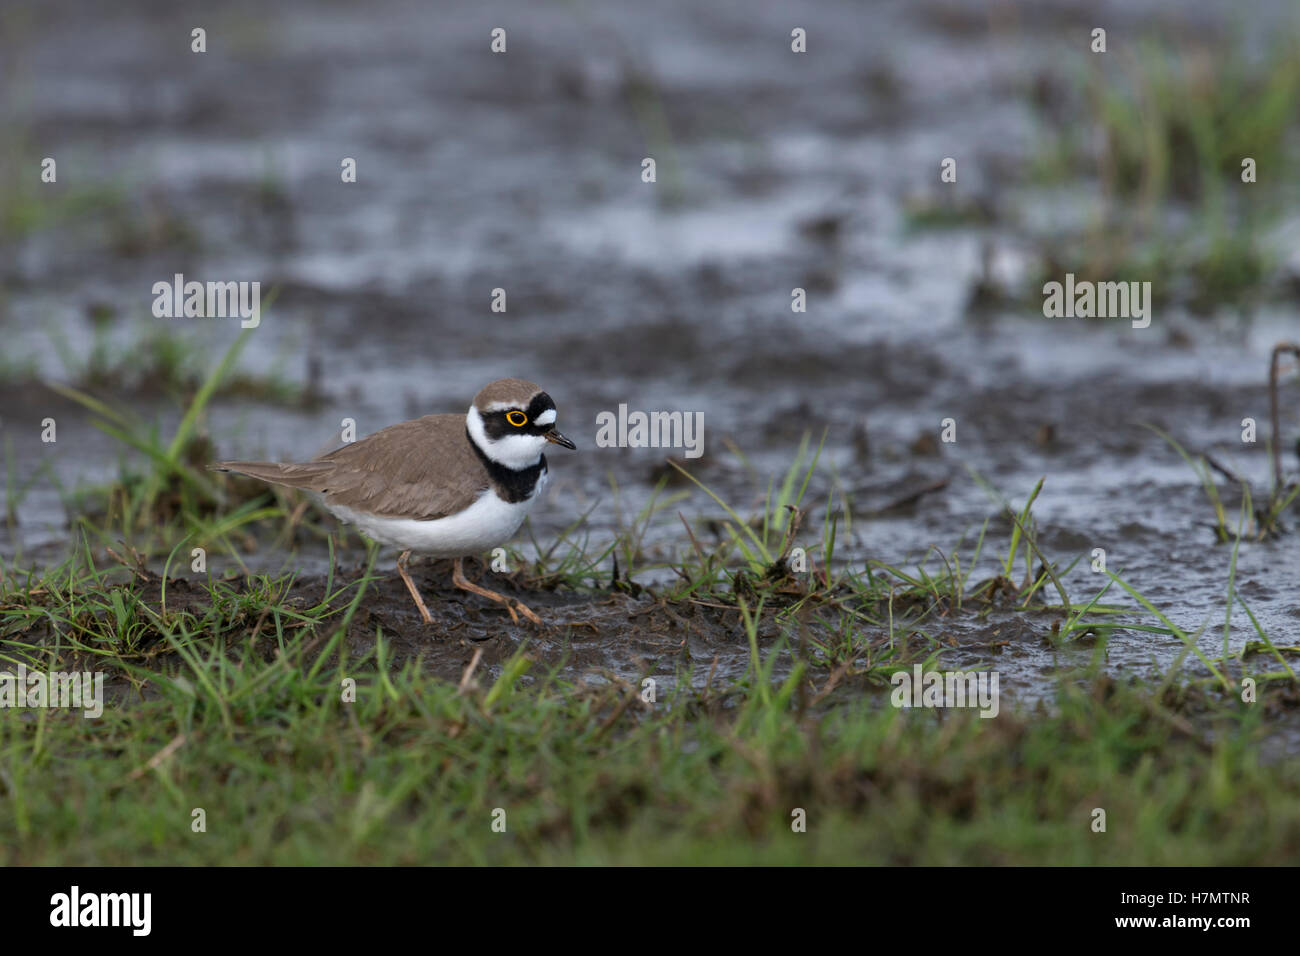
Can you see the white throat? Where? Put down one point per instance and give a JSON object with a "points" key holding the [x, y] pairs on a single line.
{"points": [[515, 452]]}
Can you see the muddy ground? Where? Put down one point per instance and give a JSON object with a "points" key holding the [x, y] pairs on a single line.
{"points": [[613, 636]]}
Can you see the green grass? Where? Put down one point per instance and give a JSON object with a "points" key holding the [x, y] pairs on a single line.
{"points": [[230, 700], [1162, 129], [1256, 523], [154, 362], [1175, 119], [163, 493], [411, 772]]}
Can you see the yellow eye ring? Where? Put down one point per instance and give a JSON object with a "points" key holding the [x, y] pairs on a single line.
{"points": [[520, 421]]}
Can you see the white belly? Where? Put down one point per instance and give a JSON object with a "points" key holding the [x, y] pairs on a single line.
{"points": [[485, 524]]}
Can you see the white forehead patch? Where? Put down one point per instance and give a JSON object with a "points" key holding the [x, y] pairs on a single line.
{"points": [[505, 406], [545, 418]]}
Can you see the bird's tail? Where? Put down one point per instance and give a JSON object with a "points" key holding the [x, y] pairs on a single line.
{"points": [[306, 475]]}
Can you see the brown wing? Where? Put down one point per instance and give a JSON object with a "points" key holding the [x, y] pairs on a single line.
{"points": [[421, 469]]}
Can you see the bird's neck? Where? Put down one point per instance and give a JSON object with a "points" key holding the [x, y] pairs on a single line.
{"points": [[512, 484]]}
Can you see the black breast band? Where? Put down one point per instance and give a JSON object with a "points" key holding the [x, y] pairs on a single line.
{"points": [[512, 485]]}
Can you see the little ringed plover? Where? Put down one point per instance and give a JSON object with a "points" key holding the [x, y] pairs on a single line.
{"points": [[445, 486]]}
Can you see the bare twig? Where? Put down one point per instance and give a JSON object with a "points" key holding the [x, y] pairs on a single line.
{"points": [[1225, 470], [157, 759], [612, 719], [1274, 367], [791, 529], [694, 544], [135, 563], [909, 499], [469, 671]]}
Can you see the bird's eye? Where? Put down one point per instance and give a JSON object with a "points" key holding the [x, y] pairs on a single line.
{"points": [[517, 418]]}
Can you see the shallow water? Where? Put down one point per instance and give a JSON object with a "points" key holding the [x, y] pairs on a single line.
{"points": [[523, 172]]}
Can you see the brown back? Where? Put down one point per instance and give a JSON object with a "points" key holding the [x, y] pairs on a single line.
{"points": [[423, 469]]}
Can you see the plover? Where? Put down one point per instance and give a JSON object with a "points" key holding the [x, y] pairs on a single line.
{"points": [[444, 486]]}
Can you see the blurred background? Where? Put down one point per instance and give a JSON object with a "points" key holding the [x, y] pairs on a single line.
{"points": [[775, 170]]}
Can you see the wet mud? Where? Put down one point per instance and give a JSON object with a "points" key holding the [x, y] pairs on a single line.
{"points": [[524, 174]]}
